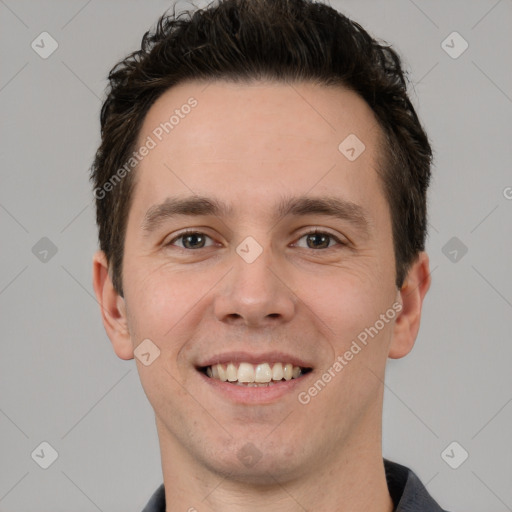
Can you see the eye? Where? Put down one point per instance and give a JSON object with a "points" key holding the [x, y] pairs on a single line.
{"points": [[191, 240], [317, 239]]}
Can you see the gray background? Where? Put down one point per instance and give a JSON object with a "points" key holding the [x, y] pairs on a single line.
{"points": [[61, 382]]}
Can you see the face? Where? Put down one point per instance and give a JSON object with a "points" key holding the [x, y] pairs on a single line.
{"points": [[253, 241]]}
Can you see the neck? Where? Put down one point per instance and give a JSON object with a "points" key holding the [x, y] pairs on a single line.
{"points": [[352, 479]]}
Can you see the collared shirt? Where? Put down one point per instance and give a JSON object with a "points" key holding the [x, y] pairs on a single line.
{"points": [[405, 488]]}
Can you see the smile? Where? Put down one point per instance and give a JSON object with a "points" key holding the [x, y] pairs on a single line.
{"points": [[254, 375]]}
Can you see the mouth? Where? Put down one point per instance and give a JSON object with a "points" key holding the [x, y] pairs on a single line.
{"points": [[264, 374]]}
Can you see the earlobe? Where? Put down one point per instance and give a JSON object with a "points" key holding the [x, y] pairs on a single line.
{"points": [[412, 294], [113, 308]]}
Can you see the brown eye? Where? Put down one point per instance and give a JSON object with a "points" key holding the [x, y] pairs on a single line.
{"points": [[319, 240], [190, 240]]}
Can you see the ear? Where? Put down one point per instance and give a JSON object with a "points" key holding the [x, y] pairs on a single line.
{"points": [[411, 295], [113, 307]]}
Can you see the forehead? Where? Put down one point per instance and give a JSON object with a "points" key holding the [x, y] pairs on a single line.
{"points": [[248, 141], [266, 112]]}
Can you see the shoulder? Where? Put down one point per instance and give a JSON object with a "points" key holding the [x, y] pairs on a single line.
{"points": [[407, 491], [157, 501]]}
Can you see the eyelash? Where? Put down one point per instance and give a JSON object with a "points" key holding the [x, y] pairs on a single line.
{"points": [[315, 231]]}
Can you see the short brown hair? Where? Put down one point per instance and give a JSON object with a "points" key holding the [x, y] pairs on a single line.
{"points": [[249, 40]]}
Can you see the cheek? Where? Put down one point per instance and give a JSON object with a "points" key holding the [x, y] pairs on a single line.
{"points": [[164, 307], [346, 301], [157, 301], [168, 306]]}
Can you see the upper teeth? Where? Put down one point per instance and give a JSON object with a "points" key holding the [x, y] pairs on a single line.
{"points": [[247, 372]]}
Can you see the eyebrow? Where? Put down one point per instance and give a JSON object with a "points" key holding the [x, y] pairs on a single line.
{"points": [[195, 206]]}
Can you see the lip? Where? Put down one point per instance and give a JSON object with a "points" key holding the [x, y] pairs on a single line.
{"points": [[251, 357], [255, 395]]}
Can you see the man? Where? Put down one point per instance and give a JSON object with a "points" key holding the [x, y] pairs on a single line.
{"points": [[261, 202]]}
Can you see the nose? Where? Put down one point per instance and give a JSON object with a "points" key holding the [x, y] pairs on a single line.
{"points": [[255, 294]]}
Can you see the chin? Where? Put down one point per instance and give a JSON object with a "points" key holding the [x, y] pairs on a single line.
{"points": [[243, 462]]}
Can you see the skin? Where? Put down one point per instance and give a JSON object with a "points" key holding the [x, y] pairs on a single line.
{"points": [[249, 145]]}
